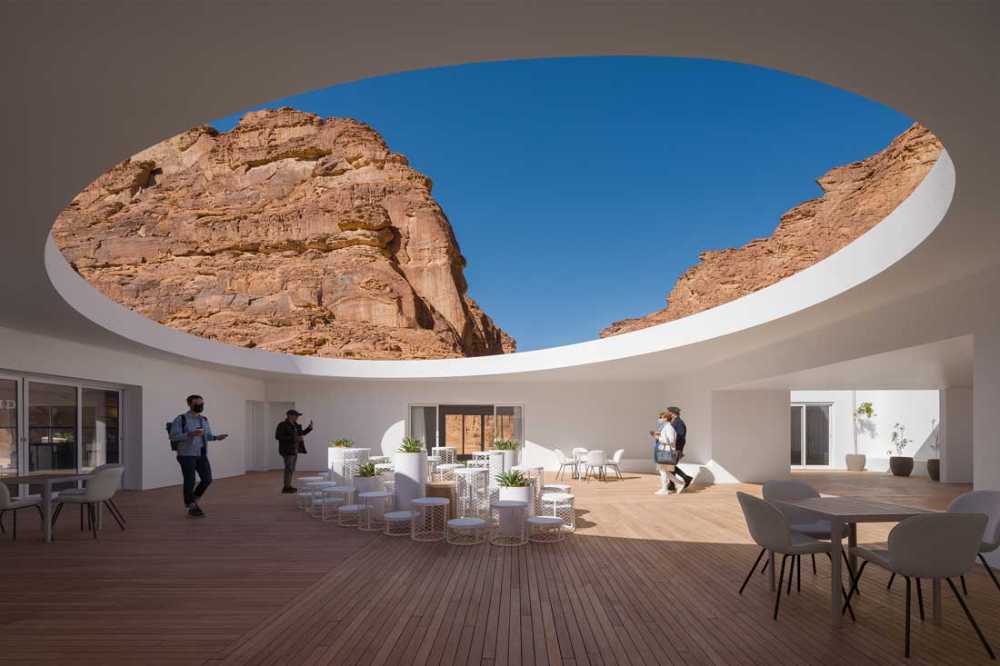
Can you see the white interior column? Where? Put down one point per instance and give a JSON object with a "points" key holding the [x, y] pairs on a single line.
{"points": [[751, 434], [986, 405], [955, 435]]}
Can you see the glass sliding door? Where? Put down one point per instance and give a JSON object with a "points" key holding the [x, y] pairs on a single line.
{"points": [[509, 423], [468, 428], [797, 434], [8, 426], [423, 424], [52, 427], [810, 435], [100, 413]]}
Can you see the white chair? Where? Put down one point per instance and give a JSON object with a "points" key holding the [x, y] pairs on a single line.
{"points": [[578, 455], [616, 463], [101, 488], [7, 503], [595, 460], [800, 520], [770, 529], [936, 545], [985, 502], [564, 462]]}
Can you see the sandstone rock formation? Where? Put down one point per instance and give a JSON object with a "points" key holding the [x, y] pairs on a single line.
{"points": [[290, 233], [855, 198]]}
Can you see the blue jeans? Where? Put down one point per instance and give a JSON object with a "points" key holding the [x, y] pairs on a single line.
{"points": [[191, 465]]}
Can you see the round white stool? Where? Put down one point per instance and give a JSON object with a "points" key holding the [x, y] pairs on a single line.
{"points": [[467, 531], [432, 515], [398, 523], [556, 488], [545, 529], [446, 471], [510, 523], [333, 497], [560, 505], [432, 463], [349, 515], [472, 492], [373, 517], [304, 495], [314, 496]]}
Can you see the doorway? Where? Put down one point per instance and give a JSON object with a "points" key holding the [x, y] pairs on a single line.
{"points": [[810, 435]]}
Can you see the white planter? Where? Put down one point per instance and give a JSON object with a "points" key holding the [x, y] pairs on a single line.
{"points": [[509, 459], [367, 484], [521, 494], [856, 462], [411, 478]]}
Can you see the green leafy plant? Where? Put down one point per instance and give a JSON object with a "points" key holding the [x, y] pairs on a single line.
{"points": [[505, 444], [411, 445], [899, 439], [512, 479], [367, 470], [865, 409], [340, 444]]}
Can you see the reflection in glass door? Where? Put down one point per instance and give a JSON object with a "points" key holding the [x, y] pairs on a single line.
{"points": [[810, 434], [466, 427], [52, 427], [8, 426], [100, 428]]}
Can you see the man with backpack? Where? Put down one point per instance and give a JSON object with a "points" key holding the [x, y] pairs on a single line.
{"points": [[189, 434]]}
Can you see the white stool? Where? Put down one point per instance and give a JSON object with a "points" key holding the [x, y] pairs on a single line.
{"points": [[560, 505], [510, 523], [349, 515], [545, 529], [430, 522], [314, 496], [373, 517], [446, 471], [480, 459], [304, 494], [378, 460], [557, 488], [432, 463], [447, 454], [495, 467], [472, 492], [333, 498], [467, 531], [398, 523]]}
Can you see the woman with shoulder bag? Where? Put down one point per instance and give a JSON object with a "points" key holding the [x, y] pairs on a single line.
{"points": [[665, 453]]}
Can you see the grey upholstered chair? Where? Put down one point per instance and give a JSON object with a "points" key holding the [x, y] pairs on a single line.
{"points": [[12, 506], [986, 502], [770, 529], [936, 545], [100, 489]]}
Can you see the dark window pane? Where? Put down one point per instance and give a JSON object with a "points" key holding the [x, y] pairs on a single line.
{"points": [[796, 435], [817, 435]]}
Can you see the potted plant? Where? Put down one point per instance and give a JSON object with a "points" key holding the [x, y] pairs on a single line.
{"points": [[514, 486], [899, 464], [335, 454], [410, 472], [508, 447], [934, 464], [367, 480], [863, 414]]}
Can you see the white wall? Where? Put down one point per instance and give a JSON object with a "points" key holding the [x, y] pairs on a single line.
{"points": [[955, 435], [556, 415], [986, 404], [750, 435], [917, 411], [164, 386]]}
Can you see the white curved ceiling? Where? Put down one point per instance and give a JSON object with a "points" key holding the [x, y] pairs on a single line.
{"points": [[87, 83]]}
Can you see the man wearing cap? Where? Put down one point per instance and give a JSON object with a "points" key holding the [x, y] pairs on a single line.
{"points": [[289, 434], [674, 416]]}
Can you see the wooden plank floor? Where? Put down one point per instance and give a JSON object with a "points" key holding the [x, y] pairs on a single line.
{"points": [[645, 580]]}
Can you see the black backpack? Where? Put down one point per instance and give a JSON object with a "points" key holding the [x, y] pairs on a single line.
{"points": [[184, 425]]}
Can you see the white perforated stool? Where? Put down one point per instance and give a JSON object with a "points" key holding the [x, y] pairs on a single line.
{"points": [[495, 467], [304, 495], [510, 523], [556, 488], [333, 498], [472, 492], [398, 523], [349, 515], [314, 496], [467, 531], [432, 463], [480, 459], [446, 471], [376, 502], [447, 454], [560, 505], [545, 529], [430, 522]]}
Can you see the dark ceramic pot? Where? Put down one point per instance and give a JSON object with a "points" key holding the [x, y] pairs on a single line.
{"points": [[901, 465], [934, 469]]}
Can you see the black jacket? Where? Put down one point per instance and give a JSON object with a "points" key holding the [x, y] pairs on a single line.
{"points": [[682, 430], [287, 433]]}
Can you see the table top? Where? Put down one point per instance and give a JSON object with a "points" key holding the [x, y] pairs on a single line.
{"points": [[42, 477], [466, 471], [509, 504], [855, 510], [375, 494], [430, 501]]}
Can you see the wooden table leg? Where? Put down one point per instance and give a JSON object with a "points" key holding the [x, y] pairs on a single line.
{"points": [[936, 601], [836, 553], [47, 510]]}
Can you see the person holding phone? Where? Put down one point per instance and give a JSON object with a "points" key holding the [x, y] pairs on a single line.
{"points": [[291, 442], [191, 432], [664, 437]]}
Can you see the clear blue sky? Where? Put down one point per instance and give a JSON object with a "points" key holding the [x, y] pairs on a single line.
{"points": [[581, 188]]}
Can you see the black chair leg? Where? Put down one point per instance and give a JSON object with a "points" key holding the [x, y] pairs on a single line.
{"points": [[854, 587], [92, 516], [989, 570], [972, 620], [814, 563], [781, 579], [849, 609], [767, 562], [114, 514], [752, 569], [118, 511], [850, 569], [920, 600], [3, 530], [891, 578], [791, 574], [965, 590], [81, 517], [907, 651], [13, 520], [798, 574]]}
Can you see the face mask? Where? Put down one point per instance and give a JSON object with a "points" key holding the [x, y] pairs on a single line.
{"points": [[197, 409]]}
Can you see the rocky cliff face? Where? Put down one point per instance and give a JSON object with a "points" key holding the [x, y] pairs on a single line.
{"points": [[855, 198], [290, 233]]}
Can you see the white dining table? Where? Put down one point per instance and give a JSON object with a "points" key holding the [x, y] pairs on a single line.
{"points": [[849, 511], [46, 480]]}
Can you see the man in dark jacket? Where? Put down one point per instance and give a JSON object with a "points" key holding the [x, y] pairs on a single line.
{"points": [[680, 427], [289, 434]]}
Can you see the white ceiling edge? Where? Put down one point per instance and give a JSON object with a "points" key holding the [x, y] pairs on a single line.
{"points": [[902, 231]]}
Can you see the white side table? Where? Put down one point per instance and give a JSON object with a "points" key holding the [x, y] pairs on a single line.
{"points": [[398, 523], [545, 529], [511, 526], [560, 505], [375, 502], [430, 522], [467, 531]]}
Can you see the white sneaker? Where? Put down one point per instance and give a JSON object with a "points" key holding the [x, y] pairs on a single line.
{"points": [[662, 491]]}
